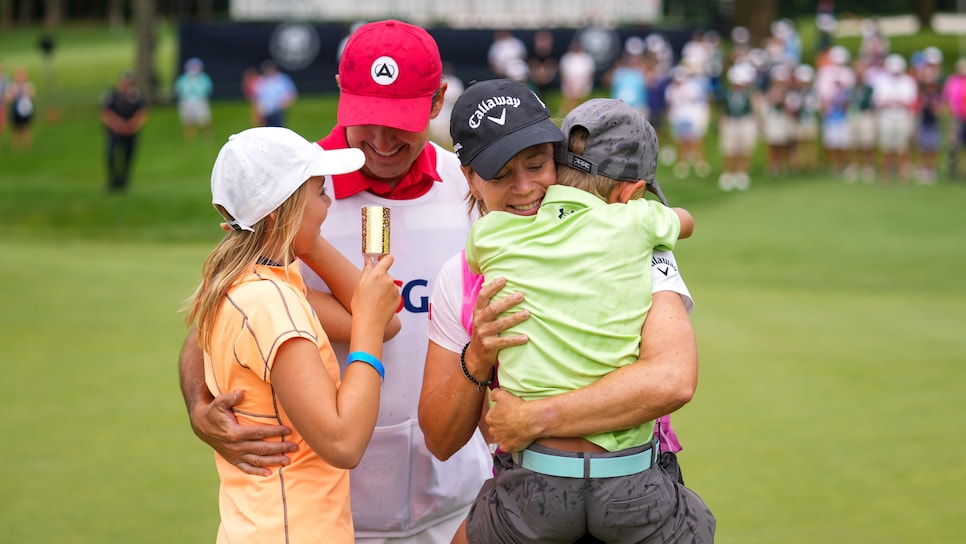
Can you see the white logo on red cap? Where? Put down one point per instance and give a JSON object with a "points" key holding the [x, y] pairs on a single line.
{"points": [[384, 71]]}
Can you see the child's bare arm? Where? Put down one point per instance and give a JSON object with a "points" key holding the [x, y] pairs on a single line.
{"points": [[687, 223]]}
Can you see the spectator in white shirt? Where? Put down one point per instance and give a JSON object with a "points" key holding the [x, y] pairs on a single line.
{"points": [[505, 49], [894, 95], [577, 68]]}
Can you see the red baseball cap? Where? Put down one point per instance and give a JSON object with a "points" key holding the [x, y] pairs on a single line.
{"points": [[388, 75]]}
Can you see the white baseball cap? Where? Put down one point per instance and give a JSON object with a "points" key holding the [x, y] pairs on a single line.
{"points": [[260, 168], [803, 73], [895, 63], [933, 55], [742, 73], [839, 55]]}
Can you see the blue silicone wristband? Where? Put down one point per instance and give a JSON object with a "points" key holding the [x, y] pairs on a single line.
{"points": [[371, 360]]}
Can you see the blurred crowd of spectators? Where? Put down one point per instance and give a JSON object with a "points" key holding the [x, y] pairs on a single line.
{"points": [[862, 115]]}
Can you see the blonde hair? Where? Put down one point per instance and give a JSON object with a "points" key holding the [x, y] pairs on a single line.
{"points": [[271, 238], [598, 185], [471, 200]]}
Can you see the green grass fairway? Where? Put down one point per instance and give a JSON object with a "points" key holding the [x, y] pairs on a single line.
{"points": [[831, 321], [97, 442]]}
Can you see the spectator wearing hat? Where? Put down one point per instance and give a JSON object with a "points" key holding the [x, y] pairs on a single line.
{"points": [[778, 125], [19, 96], [791, 41], [803, 107], [193, 89], [954, 99], [611, 156], [4, 82], [874, 45], [658, 62], [825, 23], [260, 334], [740, 45], [123, 113], [627, 79], [862, 125], [249, 78], [391, 84], [834, 84], [836, 133], [894, 95], [689, 114], [929, 108], [738, 128], [577, 69], [835, 71], [715, 68], [274, 93], [505, 50], [542, 62], [697, 52]]}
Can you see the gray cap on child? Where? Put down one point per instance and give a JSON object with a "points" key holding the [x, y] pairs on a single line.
{"points": [[622, 144]]}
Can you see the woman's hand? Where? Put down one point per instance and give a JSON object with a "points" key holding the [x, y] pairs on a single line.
{"points": [[451, 406], [488, 325]]}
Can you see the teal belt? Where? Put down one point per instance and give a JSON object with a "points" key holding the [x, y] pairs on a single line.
{"points": [[585, 465]]}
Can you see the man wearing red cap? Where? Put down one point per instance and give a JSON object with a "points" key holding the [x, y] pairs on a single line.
{"points": [[390, 77]]}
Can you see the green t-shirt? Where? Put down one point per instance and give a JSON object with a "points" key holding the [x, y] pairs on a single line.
{"points": [[861, 98], [738, 103], [584, 268]]}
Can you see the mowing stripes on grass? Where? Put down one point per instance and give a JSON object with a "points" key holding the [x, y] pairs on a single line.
{"points": [[97, 441]]}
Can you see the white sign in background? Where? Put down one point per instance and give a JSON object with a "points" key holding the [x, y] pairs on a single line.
{"points": [[456, 13]]}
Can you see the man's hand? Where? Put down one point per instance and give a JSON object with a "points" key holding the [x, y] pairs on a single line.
{"points": [[248, 447], [511, 422]]}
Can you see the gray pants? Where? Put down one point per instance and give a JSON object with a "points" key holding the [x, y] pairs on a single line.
{"points": [[521, 506]]}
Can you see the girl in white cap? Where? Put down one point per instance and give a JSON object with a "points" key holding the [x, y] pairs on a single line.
{"points": [[259, 334]]}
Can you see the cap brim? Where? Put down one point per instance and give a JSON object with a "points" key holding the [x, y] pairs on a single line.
{"points": [[653, 187], [409, 114], [333, 162], [489, 161]]}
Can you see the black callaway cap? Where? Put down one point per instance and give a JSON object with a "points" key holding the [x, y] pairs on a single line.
{"points": [[493, 120]]}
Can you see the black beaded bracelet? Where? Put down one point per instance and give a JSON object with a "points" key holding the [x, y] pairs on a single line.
{"points": [[479, 385]]}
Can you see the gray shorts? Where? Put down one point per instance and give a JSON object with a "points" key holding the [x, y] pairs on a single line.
{"points": [[519, 505]]}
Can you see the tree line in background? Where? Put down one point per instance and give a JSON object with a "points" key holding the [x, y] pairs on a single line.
{"points": [[757, 16], [53, 13], [753, 14]]}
